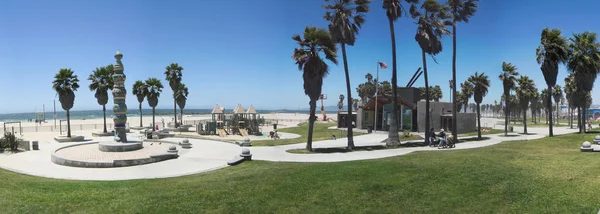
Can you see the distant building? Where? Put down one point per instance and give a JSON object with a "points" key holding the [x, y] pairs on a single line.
{"points": [[411, 115]]}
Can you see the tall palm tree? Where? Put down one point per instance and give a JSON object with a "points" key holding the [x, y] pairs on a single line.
{"points": [[461, 11], [181, 98], [307, 56], [584, 62], [557, 94], [345, 18], [480, 83], [173, 76], [430, 29], [509, 78], [437, 93], [551, 52], [154, 87], [525, 92], [65, 84], [393, 11], [100, 82], [140, 90], [545, 101]]}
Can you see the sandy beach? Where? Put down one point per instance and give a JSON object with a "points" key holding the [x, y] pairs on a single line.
{"points": [[46, 131]]}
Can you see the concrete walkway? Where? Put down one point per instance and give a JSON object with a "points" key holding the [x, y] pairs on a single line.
{"points": [[278, 153], [207, 155]]}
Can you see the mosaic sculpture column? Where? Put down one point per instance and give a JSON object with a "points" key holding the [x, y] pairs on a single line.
{"points": [[120, 107]]}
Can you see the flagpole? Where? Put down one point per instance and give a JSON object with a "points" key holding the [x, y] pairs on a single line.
{"points": [[376, 93]]}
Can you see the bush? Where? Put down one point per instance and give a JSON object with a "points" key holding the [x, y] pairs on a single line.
{"points": [[10, 141], [407, 133]]}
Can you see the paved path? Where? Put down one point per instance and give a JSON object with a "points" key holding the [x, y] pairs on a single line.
{"points": [[207, 155], [278, 153]]}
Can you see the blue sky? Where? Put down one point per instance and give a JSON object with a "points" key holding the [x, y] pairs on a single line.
{"points": [[239, 51]]}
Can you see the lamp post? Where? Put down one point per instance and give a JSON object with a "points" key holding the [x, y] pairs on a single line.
{"points": [[55, 111]]}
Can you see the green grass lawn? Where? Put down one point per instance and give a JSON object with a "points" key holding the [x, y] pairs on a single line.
{"points": [[321, 131], [548, 175], [492, 131]]}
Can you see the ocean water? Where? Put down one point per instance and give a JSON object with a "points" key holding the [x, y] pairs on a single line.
{"points": [[95, 114]]}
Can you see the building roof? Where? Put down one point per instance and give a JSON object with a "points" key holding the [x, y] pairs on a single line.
{"points": [[385, 99], [239, 109], [217, 110], [251, 110]]}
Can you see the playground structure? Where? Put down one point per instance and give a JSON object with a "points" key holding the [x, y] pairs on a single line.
{"points": [[12, 127], [240, 122], [323, 97]]}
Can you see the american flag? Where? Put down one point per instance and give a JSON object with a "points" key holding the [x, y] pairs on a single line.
{"points": [[382, 65]]}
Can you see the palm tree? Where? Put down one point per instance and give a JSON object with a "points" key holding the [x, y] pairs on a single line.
{"points": [[557, 94], [508, 77], [154, 87], [570, 89], [100, 82], [140, 90], [466, 89], [461, 11], [437, 94], [584, 61], [345, 19], [313, 67], [551, 52], [547, 108], [393, 11], [534, 99], [480, 83], [181, 98], [65, 84], [430, 29], [173, 76], [525, 92]]}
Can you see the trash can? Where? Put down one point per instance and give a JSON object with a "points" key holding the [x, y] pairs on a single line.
{"points": [[511, 128], [369, 129], [35, 145], [275, 126]]}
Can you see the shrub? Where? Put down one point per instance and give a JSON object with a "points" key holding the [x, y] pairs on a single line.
{"points": [[407, 133], [10, 141]]}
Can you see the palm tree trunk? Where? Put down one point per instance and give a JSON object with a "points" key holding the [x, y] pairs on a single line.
{"points": [[550, 134], [557, 114], [393, 139], [181, 113], [584, 119], [311, 123], [141, 125], [571, 117], [153, 122], [454, 130], [348, 91], [175, 110], [506, 114], [478, 122], [104, 112], [525, 122], [579, 120], [68, 124], [427, 125]]}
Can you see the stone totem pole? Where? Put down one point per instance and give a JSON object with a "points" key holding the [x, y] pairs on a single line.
{"points": [[119, 93]]}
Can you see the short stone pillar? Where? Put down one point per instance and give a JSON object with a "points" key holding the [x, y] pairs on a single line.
{"points": [[35, 145], [597, 139], [172, 150], [246, 142], [246, 154], [185, 144], [587, 147]]}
